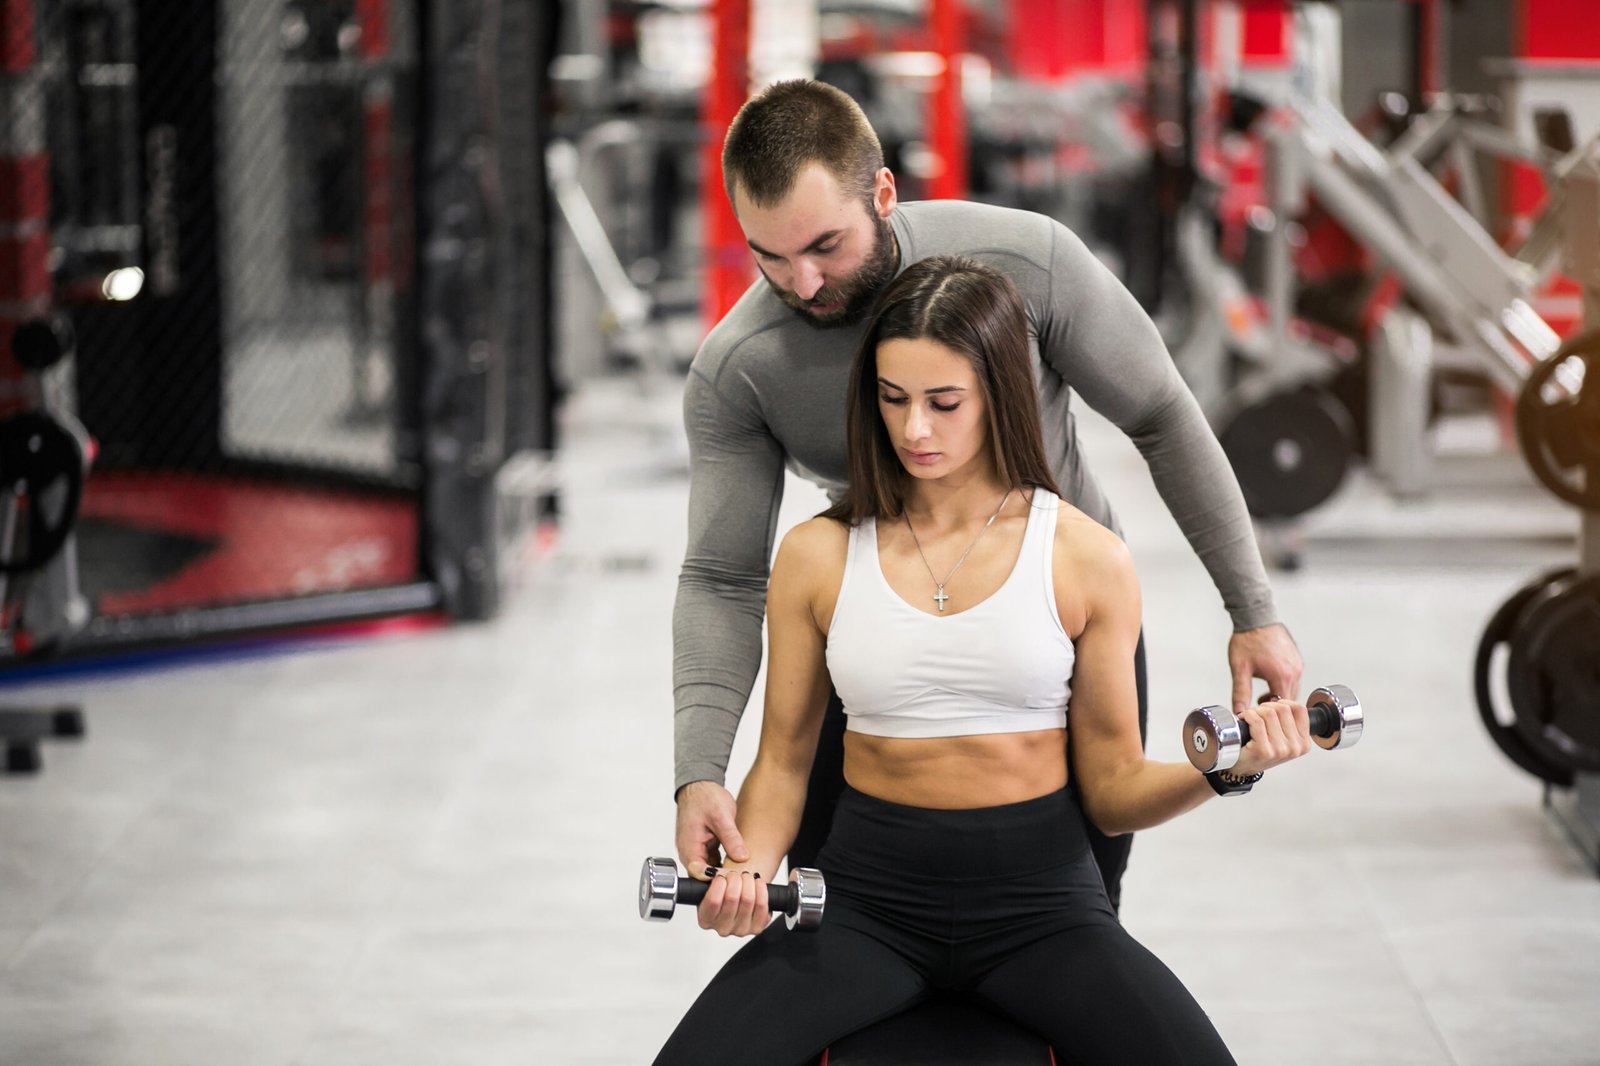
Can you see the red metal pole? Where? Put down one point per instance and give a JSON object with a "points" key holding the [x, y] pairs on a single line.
{"points": [[25, 285], [379, 302], [947, 126], [1428, 43], [377, 123], [729, 268], [372, 16], [17, 48]]}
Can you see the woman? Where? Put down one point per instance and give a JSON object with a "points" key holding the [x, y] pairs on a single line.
{"points": [[956, 604]]}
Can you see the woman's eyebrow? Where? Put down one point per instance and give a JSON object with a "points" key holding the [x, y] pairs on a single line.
{"points": [[926, 392]]}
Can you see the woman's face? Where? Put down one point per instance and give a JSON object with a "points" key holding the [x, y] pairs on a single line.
{"points": [[932, 407]]}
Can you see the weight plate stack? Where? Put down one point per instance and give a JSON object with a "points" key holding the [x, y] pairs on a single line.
{"points": [[1519, 743], [1553, 672]]}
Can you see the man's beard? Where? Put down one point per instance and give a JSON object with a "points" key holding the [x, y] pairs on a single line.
{"points": [[856, 293]]}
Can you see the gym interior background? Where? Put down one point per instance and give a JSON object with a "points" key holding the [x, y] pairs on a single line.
{"points": [[341, 344]]}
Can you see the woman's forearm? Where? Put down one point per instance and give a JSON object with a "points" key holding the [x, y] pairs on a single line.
{"points": [[770, 804], [1145, 795]]}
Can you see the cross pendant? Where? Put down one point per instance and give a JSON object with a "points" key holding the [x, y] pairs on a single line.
{"points": [[940, 598]]}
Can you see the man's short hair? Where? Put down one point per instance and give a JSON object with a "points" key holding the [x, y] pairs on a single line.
{"points": [[791, 124]]}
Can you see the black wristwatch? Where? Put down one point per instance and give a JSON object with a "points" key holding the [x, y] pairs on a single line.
{"points": [[1226, 783]]}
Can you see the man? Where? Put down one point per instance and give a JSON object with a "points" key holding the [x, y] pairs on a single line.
{"points": [[805, 174]]}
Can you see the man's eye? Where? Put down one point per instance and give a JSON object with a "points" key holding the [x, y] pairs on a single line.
{"points": [[830, 249]]}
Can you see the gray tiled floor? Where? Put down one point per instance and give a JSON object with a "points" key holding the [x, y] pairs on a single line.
{"points": [[422, 849]]}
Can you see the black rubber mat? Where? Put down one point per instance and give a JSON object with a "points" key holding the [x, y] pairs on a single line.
{"points": [[115, 557]]}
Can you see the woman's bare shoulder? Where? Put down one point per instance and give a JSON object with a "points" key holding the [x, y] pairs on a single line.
{"points": [[810, 566], [813, 545], [1093, 554], [819, 535]]}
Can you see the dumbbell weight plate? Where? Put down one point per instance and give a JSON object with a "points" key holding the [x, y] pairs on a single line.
{"points": [[813, 898], [1213, 738], [1336, 717], [658, 882]]}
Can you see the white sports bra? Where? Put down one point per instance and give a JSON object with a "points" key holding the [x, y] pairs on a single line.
{"points": [[1001, 666]]}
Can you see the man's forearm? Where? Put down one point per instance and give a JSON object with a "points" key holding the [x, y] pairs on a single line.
{"points": [[716, 654], [1195, 480]]}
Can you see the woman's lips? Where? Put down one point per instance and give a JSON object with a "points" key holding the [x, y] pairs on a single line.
{"points": [[921, 458]]}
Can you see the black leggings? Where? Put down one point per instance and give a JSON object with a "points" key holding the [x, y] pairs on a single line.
{"points": [[1000, 905], [827, 781]]}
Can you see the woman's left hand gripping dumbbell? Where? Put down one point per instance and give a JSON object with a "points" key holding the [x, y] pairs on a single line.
{"points": [[1279, 731]]}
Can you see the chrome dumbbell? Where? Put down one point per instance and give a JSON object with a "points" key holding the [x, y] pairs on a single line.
{"points": [[1212, 736], [662, 889]]}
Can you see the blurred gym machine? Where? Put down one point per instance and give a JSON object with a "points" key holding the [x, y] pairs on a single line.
{"points": [[1471, 299], [1456, 301], [1266, 386], [630, 319], [620, 169], [1296, 397], [44, 450], [1537, 670], [45, 455]]}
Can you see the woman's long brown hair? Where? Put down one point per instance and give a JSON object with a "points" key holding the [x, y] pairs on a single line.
{"points": [[975, 311]]}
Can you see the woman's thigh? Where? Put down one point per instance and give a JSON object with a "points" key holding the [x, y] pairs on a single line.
{"points": [[786, 996], [1099, 996]]}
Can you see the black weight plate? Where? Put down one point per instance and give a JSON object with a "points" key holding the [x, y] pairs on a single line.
{"points": [[41, 484], [1560, 437], [1553, 673], [1497, 633], [41, 343], [1289, 451]]}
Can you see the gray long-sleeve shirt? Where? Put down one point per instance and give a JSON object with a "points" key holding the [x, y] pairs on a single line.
{"points": [[767, 390]]}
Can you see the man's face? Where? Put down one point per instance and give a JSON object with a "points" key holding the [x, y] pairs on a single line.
{"points": [[824, 253]]}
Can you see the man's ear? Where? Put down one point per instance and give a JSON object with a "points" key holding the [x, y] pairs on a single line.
{"points": [[883, 194]]}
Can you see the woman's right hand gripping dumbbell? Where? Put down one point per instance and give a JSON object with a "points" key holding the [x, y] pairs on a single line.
{"points": [[736, 903]]}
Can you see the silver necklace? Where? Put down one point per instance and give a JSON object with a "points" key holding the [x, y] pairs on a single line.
{"points": [[939, 596]]}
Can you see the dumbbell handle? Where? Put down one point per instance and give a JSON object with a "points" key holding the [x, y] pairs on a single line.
{"points": [[781, 899], [1324, 722]]}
